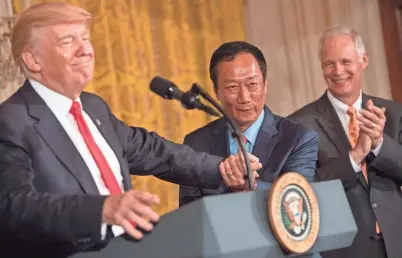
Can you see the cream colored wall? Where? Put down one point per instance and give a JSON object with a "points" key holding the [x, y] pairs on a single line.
{"points": [[288, 32]]}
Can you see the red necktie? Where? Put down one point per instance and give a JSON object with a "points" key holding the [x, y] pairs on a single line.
{"points": [[353, 136], [106, 172]]}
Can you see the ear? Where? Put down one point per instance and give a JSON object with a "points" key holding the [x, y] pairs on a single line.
{"points": [[365, 60], [265, 87], [31, 62]]}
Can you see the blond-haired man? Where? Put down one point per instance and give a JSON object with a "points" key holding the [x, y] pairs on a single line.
{"points": [[65, 159], [360, 144]]}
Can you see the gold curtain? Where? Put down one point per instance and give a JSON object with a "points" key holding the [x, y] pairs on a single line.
{"points": [[135, 40]]}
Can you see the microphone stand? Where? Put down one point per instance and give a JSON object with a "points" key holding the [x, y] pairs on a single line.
{"points": [[197, 90], [190, 101]]}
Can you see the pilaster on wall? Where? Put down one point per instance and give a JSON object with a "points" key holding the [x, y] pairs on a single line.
{"points": [[288, 31], [10, 76]]}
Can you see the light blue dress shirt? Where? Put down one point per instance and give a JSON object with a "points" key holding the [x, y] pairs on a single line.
{"points": [[250, 133]]}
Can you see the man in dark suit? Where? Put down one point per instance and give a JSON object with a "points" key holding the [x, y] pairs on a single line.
{"points": [[65, 160], [238, 72], [360, 137]]}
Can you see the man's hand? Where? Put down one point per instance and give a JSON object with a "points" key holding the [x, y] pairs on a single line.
{"points": [[233, 171], [362, 148], [133, 206], [372, 122]]}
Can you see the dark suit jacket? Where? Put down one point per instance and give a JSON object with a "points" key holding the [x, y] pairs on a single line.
{"points": [[281, 146], [380, 199], [49, 203]]}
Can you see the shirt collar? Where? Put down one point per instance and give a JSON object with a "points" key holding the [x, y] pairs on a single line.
{"points": [[58, 103], [252, 132], [342, 108]]}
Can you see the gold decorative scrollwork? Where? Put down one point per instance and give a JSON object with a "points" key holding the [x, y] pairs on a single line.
{"points": [[10, 74]]}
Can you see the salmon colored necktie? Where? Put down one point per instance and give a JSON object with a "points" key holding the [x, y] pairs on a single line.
{"points": [[245, 141], [353, 136]]}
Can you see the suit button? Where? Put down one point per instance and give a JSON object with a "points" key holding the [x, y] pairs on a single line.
{"points": [[84, 240], [374, 205]]}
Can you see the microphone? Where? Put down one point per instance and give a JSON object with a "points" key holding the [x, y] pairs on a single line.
{"points": [[168, 90]]}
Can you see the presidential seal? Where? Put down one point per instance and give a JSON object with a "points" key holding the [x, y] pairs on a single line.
{"points": [[293, 213]]}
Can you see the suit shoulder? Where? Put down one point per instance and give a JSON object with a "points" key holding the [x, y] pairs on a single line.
{"points": [[13, 107], [96, 103], [288, 126], [206, 129], [15, 120], [295, 135], [306, 115], [91, 98], [303, 111], [389, 104]]}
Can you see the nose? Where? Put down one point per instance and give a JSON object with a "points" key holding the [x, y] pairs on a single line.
{"points": [[84, 47], [338, 69], [243, 95]]}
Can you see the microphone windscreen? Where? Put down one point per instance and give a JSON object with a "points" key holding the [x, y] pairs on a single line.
{"points": [[165, 88], [159, 86]]}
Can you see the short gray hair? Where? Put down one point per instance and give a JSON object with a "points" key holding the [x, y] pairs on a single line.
{"points": [[336, 30]]}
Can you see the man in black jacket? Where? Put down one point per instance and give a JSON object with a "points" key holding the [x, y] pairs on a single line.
{"points": [[66, 160]]}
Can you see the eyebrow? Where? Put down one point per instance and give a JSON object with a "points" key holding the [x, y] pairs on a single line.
{"points": [[229, 80], [247, 78], [64, 37], [72, 36], [252, 77]]}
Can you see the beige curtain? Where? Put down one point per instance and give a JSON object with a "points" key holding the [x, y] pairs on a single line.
{"points": [[136, 40], [288, 32]]}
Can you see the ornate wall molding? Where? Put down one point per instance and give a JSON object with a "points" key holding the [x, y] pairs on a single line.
{"points": [[11, 76]]}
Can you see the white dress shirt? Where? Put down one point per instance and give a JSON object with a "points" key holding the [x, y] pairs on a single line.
{"points": [[60, 105], [341, 110]]}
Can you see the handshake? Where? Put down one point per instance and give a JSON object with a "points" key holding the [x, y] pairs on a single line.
{"points": [[133, 209], [234, 173]]}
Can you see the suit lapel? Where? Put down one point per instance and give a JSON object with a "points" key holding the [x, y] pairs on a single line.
{"points": [[267, 139], [57, 139], [107, 132], [265, 142], [219, 145], [331, 125], [219, 142]]}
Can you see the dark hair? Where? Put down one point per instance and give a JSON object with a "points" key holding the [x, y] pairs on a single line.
{"points": [[228, 51]]}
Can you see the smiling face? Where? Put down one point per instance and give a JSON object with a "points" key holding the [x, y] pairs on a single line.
{"points": [[343, 67], [241, 89], [63, 58]]}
